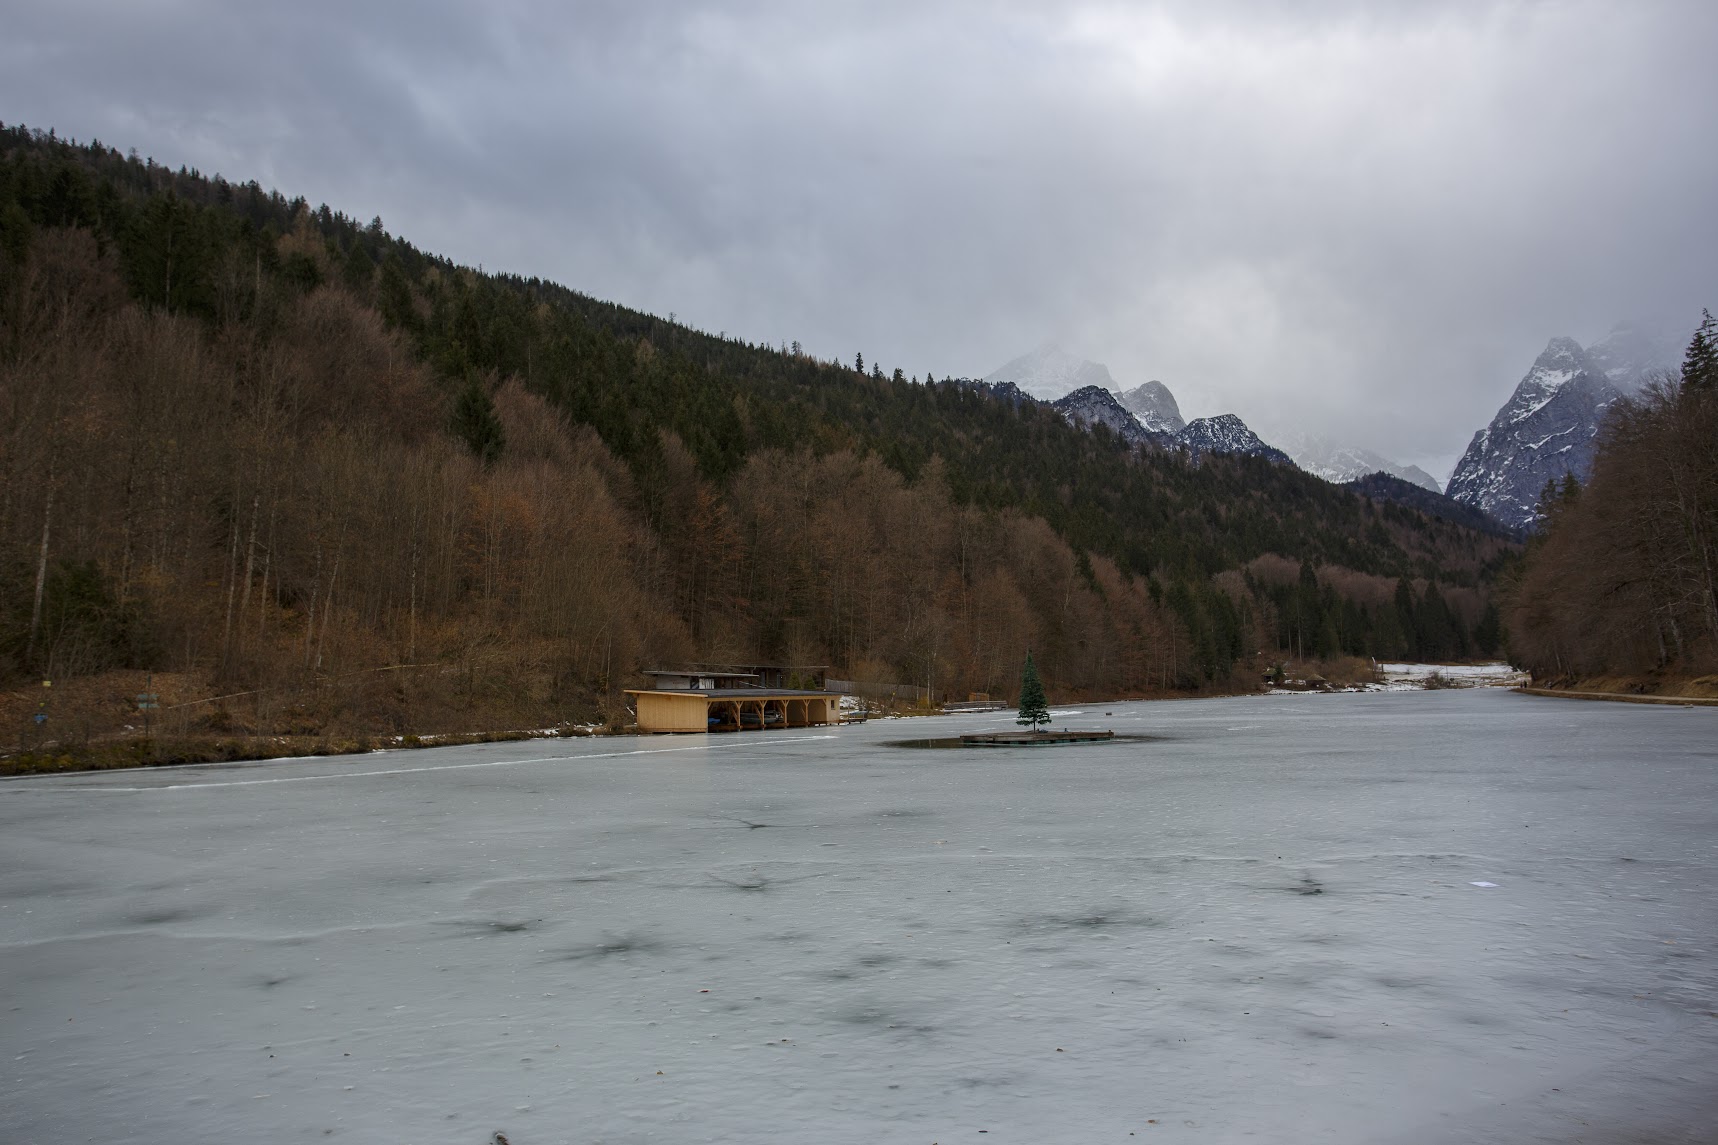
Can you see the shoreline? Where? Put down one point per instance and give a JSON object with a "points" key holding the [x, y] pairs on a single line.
{"points": [[1620, 697], [139, 753]]}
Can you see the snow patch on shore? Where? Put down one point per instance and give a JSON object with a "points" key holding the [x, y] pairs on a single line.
{"points": [[1492, 675]]}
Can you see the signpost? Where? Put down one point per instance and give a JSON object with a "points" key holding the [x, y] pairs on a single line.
{"points": [[41, 716]]}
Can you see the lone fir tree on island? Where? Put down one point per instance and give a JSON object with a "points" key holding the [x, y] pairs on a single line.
{"points": [[1033, 708]]}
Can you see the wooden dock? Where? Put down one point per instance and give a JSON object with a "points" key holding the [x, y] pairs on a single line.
{"points": [[1031, 738]]}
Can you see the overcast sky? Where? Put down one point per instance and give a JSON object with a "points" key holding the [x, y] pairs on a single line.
{"points": [[1352, 219]]}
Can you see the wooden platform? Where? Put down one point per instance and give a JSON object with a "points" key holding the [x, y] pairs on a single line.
{"points": [[1031, 739]]}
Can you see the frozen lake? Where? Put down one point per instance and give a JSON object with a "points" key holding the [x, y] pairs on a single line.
{"points": [[1263, 925]]}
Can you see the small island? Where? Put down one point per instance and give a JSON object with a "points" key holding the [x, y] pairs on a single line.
{"points": [[1034, 711]]}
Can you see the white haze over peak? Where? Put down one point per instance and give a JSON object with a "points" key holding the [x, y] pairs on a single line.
{"points": [[1051, 372], [1353, 219]]}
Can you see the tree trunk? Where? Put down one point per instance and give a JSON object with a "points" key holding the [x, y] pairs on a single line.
{"points": [[250, 556], [41, 572], [232, 586]]}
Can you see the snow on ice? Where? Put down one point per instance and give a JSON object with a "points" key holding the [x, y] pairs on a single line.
{"points": [[1252, 920]]}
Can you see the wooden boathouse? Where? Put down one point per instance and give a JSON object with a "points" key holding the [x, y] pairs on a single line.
{"points": [[708, 700]]}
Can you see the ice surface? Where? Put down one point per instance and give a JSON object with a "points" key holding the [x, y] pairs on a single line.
{"points": [[1258, 925]]}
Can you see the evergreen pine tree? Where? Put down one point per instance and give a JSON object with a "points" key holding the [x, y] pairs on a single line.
{"points": [[1700, 363], [475, 423], [1488, 633], [1388, 640], [1034, 709], [359, 267], [394, 298], [1440, 634], [1406, 620]]}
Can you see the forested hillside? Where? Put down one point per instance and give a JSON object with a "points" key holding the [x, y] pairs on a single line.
{"points": [[269, 450], [1623, 579]]}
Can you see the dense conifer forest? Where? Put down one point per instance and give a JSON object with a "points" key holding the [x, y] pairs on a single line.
{"points": [[266, 450]]}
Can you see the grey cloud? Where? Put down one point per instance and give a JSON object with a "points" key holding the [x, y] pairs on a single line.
{"points": [[1356, 220]]}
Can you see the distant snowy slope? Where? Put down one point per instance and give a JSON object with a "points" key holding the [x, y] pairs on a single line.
{"points": [[1416, 476], [1050, 372], [1340, 464]]}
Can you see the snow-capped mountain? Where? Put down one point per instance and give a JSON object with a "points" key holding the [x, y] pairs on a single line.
{"points": [[1549, 425], [1095, 405], [1154, 406], [1340, 464], [1226, 433], [1051, 372], [1085, 394]]}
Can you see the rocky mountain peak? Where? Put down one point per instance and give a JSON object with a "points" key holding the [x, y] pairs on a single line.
{"points": [[1549, 425], [1084, 393], [1226, 433], [1154, 406], [1096, 405]]}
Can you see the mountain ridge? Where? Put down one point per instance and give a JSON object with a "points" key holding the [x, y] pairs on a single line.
{"points": [[1549, 425], [1087, 395], [1382, 486], [1227, 433]]}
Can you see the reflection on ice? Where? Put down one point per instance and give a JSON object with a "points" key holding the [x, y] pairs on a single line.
{"points": [[955, 741], [1420, 917]]}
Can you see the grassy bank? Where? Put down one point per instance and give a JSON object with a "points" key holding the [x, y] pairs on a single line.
{"points": [[94, 722], [1650, 688], [149, 751]]}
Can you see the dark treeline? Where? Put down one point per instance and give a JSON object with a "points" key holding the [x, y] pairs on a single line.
{"points": [[1623, 578], [1388, 487], [1341, 613], [252, 439]]}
